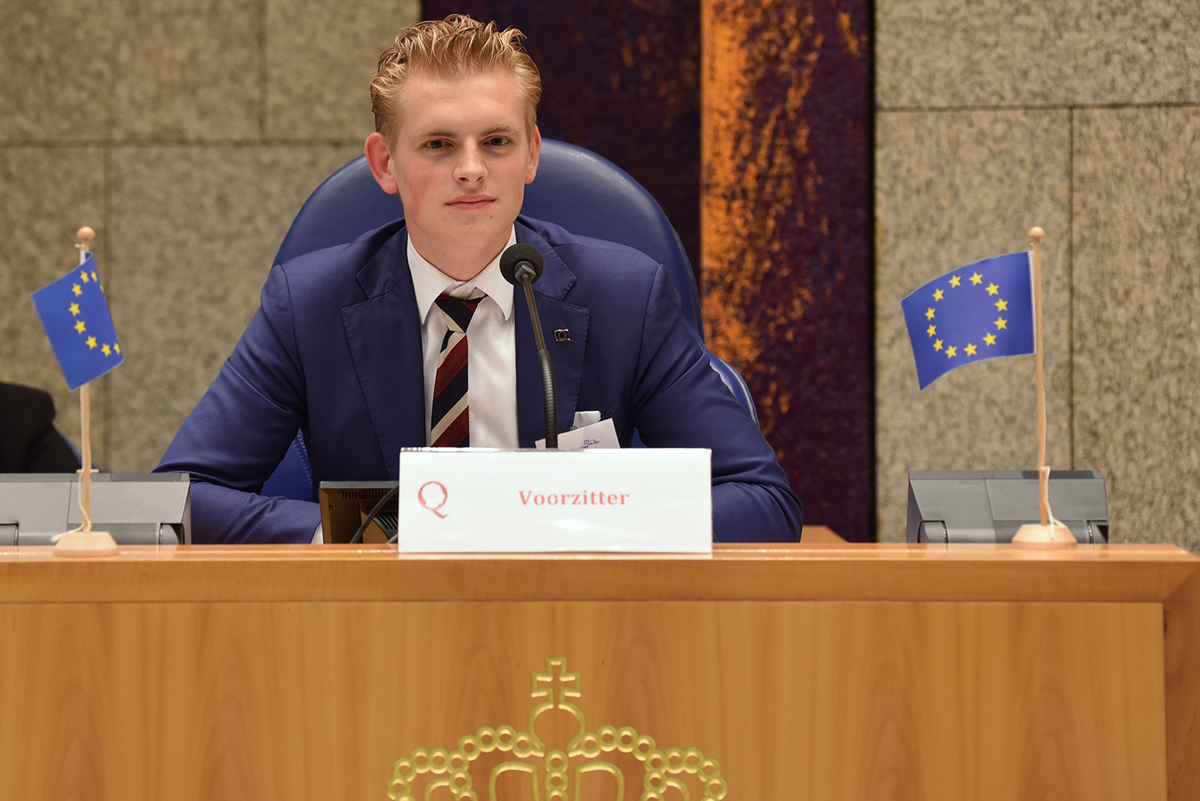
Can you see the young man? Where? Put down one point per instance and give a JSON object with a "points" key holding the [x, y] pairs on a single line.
{"points": [[347, 343]]}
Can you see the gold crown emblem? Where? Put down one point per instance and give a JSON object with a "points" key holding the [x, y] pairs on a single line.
{"points": [[523, 765]]}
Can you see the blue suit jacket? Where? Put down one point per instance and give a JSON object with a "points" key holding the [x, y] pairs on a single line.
{"points": [[335, 351]]}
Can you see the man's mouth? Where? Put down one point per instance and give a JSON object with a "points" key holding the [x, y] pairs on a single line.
{"points": [[471, 202]]}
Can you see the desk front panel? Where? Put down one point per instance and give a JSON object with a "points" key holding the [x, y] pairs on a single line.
{"points": [[792, 699]]}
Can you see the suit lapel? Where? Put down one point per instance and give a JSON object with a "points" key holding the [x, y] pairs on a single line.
{"points": [[384, 334], [566, 350]]}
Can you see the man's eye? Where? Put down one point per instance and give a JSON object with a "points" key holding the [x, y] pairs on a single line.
{"points": [[435, 144], [497, 141]]}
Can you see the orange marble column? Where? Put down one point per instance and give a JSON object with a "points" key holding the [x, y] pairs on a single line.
{"points": [[786, 235]]}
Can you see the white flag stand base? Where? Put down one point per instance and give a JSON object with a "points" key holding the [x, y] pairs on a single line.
{"points": [[1035, 536], [85, 543]]}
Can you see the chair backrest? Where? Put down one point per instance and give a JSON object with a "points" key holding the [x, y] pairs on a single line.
{"points": [[575, 188]]}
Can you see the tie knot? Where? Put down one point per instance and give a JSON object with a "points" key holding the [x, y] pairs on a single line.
{"points": [[458, 311]]}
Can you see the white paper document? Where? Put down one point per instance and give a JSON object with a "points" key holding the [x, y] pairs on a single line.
{"points": [[596, 435]]}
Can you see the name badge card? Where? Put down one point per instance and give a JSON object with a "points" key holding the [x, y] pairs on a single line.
{"points": [[637, 500]]}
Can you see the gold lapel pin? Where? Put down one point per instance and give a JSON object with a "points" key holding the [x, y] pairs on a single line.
{"points": [[562, 335]]}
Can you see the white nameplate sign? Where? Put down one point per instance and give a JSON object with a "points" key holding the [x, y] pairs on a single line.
{"points": [[637, 500]]}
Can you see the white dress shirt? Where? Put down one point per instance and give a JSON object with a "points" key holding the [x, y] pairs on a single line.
{"points": [[491, 343]]}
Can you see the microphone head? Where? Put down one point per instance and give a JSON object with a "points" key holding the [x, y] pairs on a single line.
{"points": [[520, 262]]}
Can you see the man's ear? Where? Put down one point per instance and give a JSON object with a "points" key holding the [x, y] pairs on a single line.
{"points": [[535, 150], [379, 159]]}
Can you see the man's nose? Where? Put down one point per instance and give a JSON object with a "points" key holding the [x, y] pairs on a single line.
{"points": [[470, 165]]}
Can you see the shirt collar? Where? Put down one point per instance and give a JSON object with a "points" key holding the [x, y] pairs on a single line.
{"points": [[429, 281]]}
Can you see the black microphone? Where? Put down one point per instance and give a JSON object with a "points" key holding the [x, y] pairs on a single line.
{"points": [[521, 265]]}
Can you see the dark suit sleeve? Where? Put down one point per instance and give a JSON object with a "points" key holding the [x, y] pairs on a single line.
{"points": [[238, 432], [29, 443], [680, 401]]}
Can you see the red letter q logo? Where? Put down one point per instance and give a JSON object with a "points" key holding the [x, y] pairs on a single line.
{"points": [[433, 496]]}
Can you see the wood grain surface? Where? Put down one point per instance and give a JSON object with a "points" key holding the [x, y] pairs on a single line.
{"points": [[313, 691]]}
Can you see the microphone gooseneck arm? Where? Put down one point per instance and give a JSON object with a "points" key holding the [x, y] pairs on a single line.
{"points": [[549, 395], [521, 264]]}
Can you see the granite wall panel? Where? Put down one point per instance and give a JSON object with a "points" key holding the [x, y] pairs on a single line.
{"points": [[988, 53], [195, 232], [46, 195], [321, 58], [1137, 294], [166, 69], [1124, 76], [161, 124], [953, 188]]}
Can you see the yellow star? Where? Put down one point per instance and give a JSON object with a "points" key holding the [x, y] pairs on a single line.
{"points": [[94, 278], [91, 343], [73, 309], [80, 327], [931, 330], [937, 345], [938, 295], [971, 349], [1002, 305], [1001, 323], [992, 289], [107, 350], [83, 276], [950, 351], [77, 289], [976, 279], [117, 347], [955, 281], [989, 339], [929, 314]]}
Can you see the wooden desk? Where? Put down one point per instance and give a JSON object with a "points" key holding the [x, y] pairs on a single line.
{"points": [[812, 672]]}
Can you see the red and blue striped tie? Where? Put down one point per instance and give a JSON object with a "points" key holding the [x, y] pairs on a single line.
{"points": [[450, 419]]}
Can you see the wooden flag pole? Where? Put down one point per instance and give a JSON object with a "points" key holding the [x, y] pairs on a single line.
{"points": [[1044, 535], [83, 541], [86, 235]]}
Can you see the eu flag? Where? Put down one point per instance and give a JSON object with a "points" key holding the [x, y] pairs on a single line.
{"points": [[977, 312], [80, 327]]}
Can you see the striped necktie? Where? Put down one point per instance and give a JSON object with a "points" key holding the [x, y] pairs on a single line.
{"points": [[450, 419]]}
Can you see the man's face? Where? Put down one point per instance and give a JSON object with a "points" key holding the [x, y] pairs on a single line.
{"points": [[460, 161]]}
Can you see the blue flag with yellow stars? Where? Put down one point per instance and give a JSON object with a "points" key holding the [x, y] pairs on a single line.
{"points": [[77, 321], [977, 312]]}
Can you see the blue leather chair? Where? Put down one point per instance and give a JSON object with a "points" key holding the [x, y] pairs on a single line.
{"points": [[575, 188]]}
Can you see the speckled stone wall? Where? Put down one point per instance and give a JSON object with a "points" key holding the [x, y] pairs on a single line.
{"points": [[1010, 170], [786, 221], [188, 135], [1136, 388], [1081, 117]]}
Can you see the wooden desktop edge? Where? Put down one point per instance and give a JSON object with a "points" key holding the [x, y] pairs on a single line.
{"points": [[806, 571]]}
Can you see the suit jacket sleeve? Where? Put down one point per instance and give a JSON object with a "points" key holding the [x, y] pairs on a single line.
{"points": [[679, 400], [238, 432], [29, 443]]}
